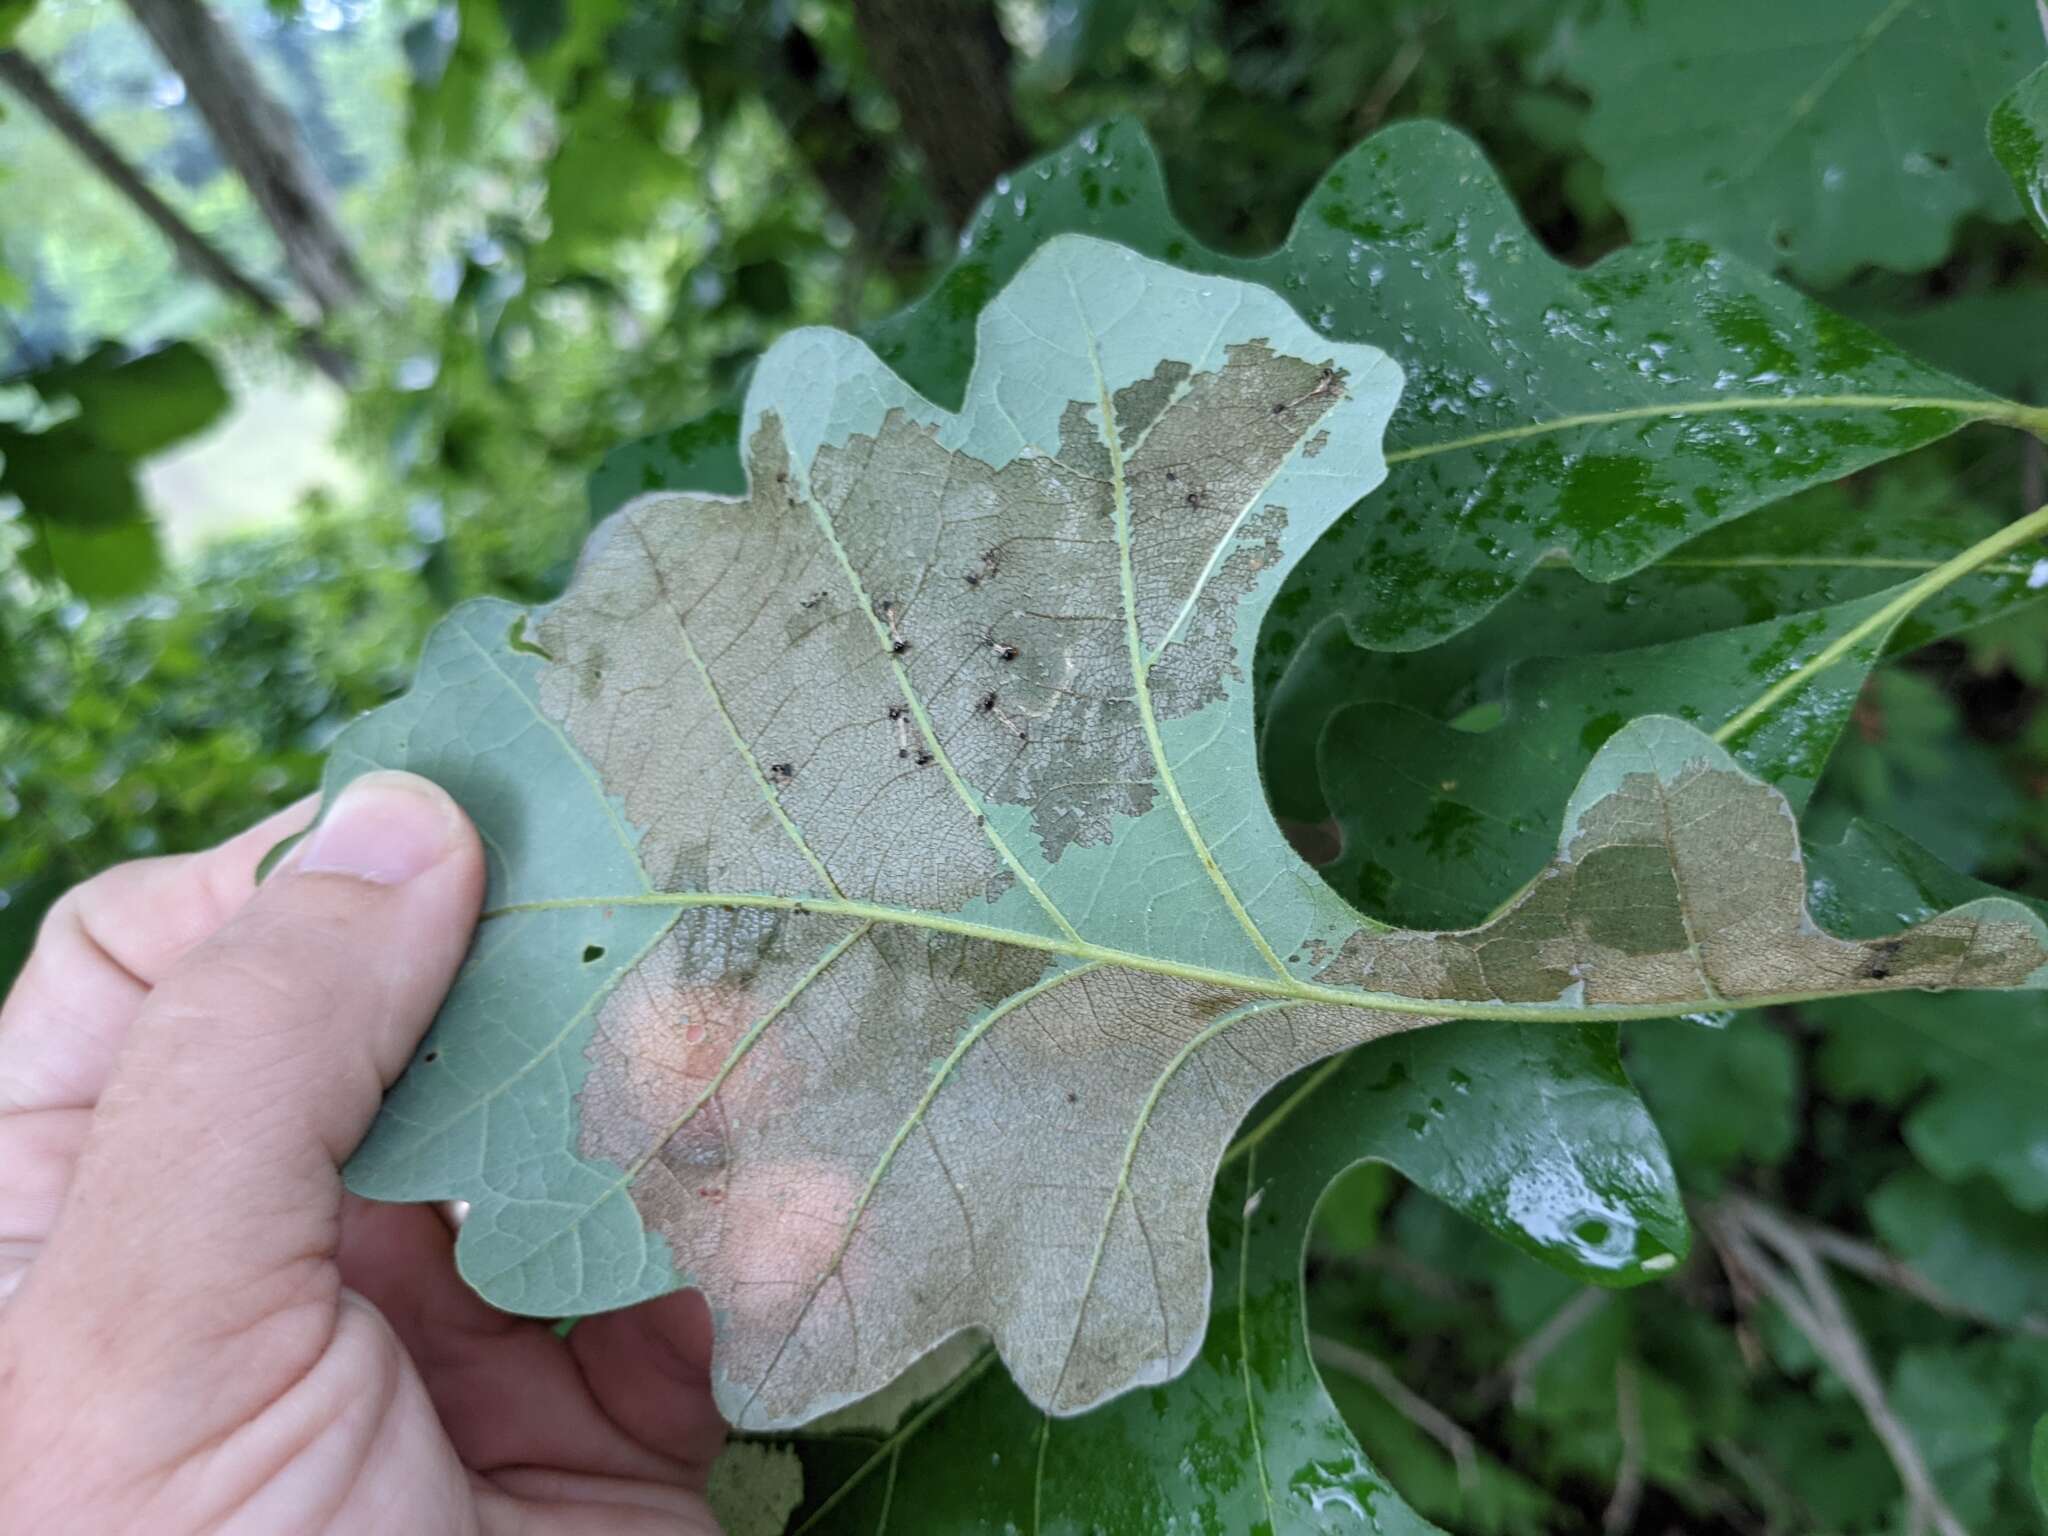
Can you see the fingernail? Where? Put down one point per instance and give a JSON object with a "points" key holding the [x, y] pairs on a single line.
{"points": [[386, 828]]}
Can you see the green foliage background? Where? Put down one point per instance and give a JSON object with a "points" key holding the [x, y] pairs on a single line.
{"points": [[582, 221]]}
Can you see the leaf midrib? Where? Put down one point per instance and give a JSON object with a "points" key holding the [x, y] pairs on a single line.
{"points": [[1285, 987]]}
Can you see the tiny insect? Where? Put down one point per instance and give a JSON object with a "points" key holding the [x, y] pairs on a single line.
{"points": [[897, 644], [1326, 384], [1194, 498], [781, 773], [924, 759], [812, 601], [989, 706], [1003, 649]]}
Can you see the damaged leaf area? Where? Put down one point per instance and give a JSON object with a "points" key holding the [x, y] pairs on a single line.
{"points": [[887, 930]]}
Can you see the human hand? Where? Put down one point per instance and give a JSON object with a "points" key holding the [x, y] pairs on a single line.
{"points": [[199, 1330]]}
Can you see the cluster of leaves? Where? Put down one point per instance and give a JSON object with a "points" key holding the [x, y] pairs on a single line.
{"points": [[1818, 595], [661, 201]]}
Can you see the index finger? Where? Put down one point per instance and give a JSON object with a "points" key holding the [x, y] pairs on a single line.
{"points": [[101, 949]]}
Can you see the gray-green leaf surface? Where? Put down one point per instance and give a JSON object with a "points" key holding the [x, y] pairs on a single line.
{"points": [[887, 928]]}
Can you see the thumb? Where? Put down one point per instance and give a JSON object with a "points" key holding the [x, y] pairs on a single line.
{"points": [[208, 1196]]}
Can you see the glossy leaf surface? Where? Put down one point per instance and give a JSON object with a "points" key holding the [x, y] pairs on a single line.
{"points": [[1824, 136], [1438, 824], [1610, 414], [2019, 137]]}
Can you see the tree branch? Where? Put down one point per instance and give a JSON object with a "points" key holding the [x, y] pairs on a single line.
{"points": [[1512, 1380], [947, 67], [258, 138], [1881, 1268], [1797, 1281], [194, 251], [1620, 1515]]}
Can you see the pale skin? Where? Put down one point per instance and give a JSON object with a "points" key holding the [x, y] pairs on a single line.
{"points": [[199, 1330]]}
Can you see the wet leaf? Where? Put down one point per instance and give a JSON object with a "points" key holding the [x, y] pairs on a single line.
{"points": [[1437, 824], [887, 930], [1247, 1434], [1607, 415], [1825, 548], [1819, 138], [2019, 137]]}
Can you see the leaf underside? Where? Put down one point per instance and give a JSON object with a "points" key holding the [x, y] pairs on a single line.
{"points": [[887, 928]]}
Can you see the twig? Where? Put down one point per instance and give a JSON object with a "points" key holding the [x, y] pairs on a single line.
{"points": [[1881, 1268], [1388, 86], [1512, 1380], [1411, 1405], [1620, 1514], [1778, 1502], [1808, 1298]]}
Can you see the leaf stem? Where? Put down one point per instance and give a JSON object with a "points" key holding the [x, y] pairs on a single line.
{"points": [[2008, 538]]}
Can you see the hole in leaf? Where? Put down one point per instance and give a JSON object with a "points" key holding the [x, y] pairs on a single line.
{"points": [[592, 953], [519, 640]]}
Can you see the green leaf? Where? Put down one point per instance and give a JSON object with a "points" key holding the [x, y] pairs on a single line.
{"points": [[1824, 137], [1434, 823], [1967, 1240], [76, 480], [2039, 1463], [67, 477], [534, 26], [101, 565], [140, 405], [1985, 1060], [13, 13], [1827, 546], [1247, 1434], [1607, 414], [2019, 137], [1721, 1096], [880, 867]]}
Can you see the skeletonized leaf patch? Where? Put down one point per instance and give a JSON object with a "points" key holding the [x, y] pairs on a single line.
{"points": [[887, 927]]}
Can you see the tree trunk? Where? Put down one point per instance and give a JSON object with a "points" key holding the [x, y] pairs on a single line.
{"points": [[199, 256], [947, 66], [257, 136]]}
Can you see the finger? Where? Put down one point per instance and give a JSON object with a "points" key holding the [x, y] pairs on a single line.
{"points": [[650, 1368], [100, 950], [505, 1388], [206, 1203]]}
